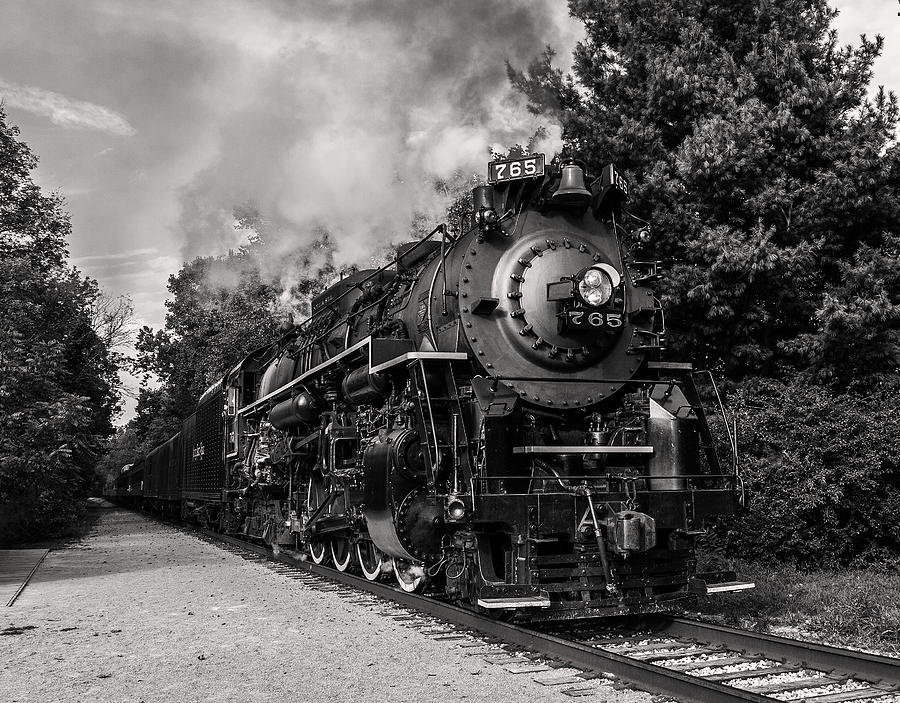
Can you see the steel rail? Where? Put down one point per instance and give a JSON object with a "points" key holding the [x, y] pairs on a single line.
{"points": [[873, 668], [640, 674], [27, 579]]}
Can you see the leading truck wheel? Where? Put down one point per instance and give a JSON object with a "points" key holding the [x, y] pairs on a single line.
{"points": [[410, 577], [318, 551]]}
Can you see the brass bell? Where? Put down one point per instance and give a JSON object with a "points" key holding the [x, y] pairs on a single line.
{"points": [[571, 189]]}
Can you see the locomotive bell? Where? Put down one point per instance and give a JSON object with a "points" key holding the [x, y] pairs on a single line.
{"points": [[571, 189]]}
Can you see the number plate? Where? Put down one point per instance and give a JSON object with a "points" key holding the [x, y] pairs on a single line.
{"points": [[583, 319], [515, 169]]}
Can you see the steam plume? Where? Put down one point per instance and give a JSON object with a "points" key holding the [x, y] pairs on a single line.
{"points": [[347, 121]]}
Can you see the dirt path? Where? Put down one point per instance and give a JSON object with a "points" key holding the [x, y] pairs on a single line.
{"points": [[142, 612]]}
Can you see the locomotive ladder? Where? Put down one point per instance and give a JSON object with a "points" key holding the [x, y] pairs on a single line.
{"points": [[436, 412]]}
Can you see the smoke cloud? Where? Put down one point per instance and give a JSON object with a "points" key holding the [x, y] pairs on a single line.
{"points": [[344, 114]]}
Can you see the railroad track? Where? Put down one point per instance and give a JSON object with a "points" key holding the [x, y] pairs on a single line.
{"points": [[677, 658]]}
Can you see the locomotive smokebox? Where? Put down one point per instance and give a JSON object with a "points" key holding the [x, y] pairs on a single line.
{"points": [[302, 409]]}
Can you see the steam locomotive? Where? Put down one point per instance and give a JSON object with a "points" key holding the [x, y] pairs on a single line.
{"points": [[486, 417]]}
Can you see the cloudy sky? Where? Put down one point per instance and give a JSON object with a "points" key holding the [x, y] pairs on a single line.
{"points": [[155, 118]]}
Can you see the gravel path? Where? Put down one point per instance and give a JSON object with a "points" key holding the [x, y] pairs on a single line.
{"points": [[142, 612]]}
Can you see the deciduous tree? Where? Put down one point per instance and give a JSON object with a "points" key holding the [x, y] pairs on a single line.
{"points": [[57, 376]]}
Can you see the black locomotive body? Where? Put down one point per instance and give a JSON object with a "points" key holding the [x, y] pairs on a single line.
{"points": [[487, 417]]}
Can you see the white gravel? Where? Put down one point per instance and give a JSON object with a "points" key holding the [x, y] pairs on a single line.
{"points": [[143, 612]]}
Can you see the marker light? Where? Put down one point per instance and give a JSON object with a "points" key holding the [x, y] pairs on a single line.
{"points": [[595, 287]]}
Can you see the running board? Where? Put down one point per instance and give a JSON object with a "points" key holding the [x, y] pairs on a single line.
{"points": [[515, 602], [582, 449]]}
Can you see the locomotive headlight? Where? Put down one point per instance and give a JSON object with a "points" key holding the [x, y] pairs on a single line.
{"points": [[595, 287], [456, 508]]}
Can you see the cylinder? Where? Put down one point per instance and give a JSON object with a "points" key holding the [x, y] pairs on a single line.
{"points": [[361, 387], [302, 409]]}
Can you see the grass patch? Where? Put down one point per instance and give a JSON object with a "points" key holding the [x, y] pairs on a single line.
{"points": [[856, 607]]}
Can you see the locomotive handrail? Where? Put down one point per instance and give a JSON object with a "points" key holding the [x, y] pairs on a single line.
{"points": [[393, 261], [374, 303], [444, 252], [358, 285], [302, 377], [549, 379], [730, 478], [722, 482], [732, 438]]}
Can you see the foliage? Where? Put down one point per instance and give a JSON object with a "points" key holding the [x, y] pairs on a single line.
{"points": [[771, 180], [57, 375], [221, 309], [822, 474], [118, 451], [850, 606]]}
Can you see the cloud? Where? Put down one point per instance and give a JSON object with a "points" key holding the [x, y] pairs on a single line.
{"points": [[134, 269], [132, 253], [65, 111]]}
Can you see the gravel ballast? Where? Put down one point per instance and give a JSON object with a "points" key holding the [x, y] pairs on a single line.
{"points": [[140, 611]]}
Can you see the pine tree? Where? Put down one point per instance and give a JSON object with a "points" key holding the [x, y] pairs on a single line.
{"points": [[770, 176]]}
